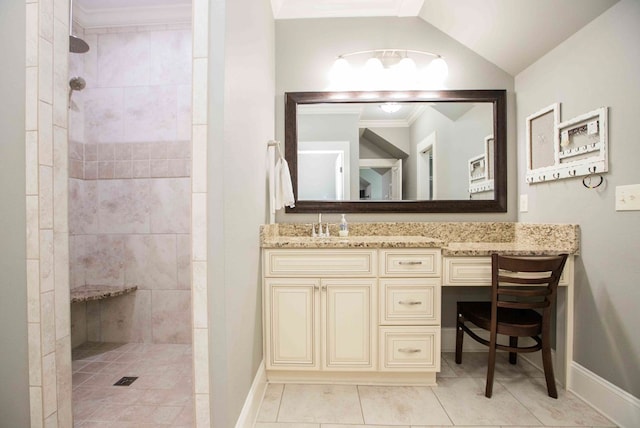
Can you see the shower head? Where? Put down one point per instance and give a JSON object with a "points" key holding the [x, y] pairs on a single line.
{"points": [[77, 83], [77, 45]]}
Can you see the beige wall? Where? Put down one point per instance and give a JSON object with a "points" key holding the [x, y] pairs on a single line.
{"points": [[597, 66], [241, 112], [14, 393]]}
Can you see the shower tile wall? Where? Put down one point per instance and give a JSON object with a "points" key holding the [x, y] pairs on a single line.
{"points": [[130, 186]]}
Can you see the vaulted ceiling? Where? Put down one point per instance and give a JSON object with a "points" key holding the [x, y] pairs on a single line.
{"points": [[512, 34]]}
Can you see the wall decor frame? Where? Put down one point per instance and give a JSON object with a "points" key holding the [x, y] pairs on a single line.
{"points": [[542, 142], [580, 146]]}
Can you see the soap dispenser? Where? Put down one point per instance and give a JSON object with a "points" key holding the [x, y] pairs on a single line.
{"points": [[344, 227]]}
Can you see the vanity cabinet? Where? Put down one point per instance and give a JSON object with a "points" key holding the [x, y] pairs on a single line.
{"points": [[320, 310], [331, 313]]}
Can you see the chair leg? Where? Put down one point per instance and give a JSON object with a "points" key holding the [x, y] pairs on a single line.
{"points": [[491, 368], [459, 337], [513, 356], [548, 369]]}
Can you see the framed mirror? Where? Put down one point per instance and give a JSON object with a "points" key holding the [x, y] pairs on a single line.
{"points": [[404, 151]]}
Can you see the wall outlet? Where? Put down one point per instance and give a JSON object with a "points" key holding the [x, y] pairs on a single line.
{"points": [[628, 197], [524, 203]]}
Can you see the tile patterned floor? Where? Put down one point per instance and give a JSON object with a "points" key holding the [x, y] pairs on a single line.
{"points": [[519, 400], [160, 397]]}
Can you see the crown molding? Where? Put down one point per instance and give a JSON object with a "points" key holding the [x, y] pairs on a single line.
{"points": [[129, 16]]}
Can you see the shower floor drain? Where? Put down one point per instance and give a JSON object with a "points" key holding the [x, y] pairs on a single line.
{"points": [[126, 381]]}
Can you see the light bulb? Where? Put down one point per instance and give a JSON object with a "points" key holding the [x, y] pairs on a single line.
{"points": [[438, 70], [373, 65], [340, 71], [407, 66]]}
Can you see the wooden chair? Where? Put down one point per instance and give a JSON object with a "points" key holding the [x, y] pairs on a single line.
{"points": [[514, 311]]}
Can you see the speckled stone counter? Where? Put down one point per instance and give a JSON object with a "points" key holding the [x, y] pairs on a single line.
{"points": [[98, 292], [454, 238]]}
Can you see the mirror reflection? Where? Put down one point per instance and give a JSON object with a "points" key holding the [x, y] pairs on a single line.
{"points": [[395, 151]]}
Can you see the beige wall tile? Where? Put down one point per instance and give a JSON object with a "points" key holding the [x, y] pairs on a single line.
{"points": [[52, 420], [126, 318], [33, 227], [60, 73], [61, 12], [123, 207], [62, 284], [171, 316], [78, 324], [64, 385], [46, 19], [170, 205], [199, 104], [183, 255], [45, 68], [35, 403], [203, 413], [151, 261], [199, 226], [201, 361], [45, 197], [49, 379], [45, 134], [46, 261], [35, 354], [31, 34], [104, 261], [200, 298], [48, 322], [31, 99], [60, 180], [200, 28], [33, 291], [31, 162], [199, 162]]}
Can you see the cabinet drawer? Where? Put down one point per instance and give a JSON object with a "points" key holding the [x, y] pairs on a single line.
{"points": [[466, 271], [409, 301], [325, 263], [410, 262], [409, 348]]}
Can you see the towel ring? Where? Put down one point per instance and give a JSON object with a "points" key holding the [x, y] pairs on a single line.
{"points": [[586, 182]]}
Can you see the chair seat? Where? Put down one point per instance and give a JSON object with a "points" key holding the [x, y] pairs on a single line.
{"points": [[512, 322]]}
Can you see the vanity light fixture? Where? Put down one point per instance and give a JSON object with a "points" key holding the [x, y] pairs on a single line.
{"points": [[389, 69]]}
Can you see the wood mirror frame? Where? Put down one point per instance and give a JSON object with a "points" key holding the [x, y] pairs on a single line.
{"points": [[496, 97]]}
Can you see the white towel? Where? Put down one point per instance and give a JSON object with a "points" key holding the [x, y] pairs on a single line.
{"points": [[283, 187]]}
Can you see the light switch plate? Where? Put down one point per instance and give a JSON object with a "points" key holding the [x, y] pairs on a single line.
{"points": [[524, 203], [628, 197]]}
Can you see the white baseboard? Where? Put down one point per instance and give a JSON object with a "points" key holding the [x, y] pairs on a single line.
{"points": [[253, 401], [616, 404]]}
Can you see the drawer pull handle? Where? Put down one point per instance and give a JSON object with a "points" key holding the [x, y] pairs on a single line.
{"points": [[410, 350], [410, 302], [411, 262]]}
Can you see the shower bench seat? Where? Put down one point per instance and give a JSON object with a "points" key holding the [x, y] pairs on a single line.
{"points": [[86, 293]]}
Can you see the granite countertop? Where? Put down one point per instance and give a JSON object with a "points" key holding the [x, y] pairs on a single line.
{"points": [[454, 238], [97, 292]]}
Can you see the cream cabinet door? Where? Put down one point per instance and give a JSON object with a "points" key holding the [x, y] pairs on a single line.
{"points": [[349, 324], [292, 323]]}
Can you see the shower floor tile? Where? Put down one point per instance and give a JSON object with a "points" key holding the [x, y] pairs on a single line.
{"points": [[161, 396]]}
